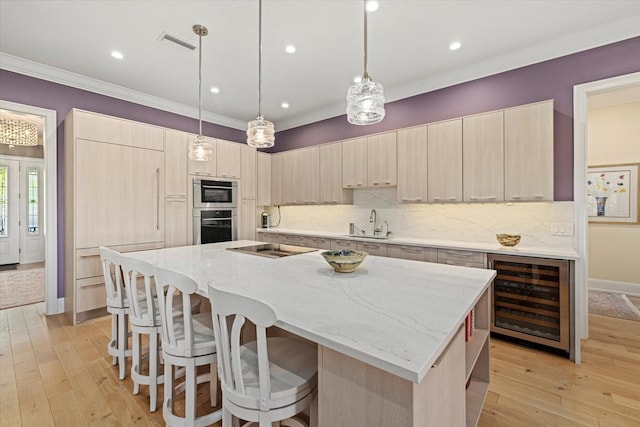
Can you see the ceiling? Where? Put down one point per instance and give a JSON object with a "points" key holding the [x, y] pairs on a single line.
{"points": [[70, 42]]}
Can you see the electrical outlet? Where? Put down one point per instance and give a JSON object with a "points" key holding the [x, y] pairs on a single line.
{"points": [[562, 229]]}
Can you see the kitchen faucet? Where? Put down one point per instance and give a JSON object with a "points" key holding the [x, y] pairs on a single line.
{"points": [[373, 216]]}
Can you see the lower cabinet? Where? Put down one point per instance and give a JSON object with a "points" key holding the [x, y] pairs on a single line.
{"points": [[319, 242], [415, 253], [343, 245], [372, 248], [462, 258], [176, 219], [268, 237]]}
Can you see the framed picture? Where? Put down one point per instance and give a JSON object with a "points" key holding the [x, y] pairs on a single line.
{"points": [[612, 193]]}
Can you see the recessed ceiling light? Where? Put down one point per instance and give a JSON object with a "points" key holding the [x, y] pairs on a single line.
{"points": [[290, 48], [454, 46], [215, 89], [117, 54], [285, 105], [372, 5]]}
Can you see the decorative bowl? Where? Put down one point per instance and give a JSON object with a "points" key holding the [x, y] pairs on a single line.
{"points": [[508, 239], [345, 261]]}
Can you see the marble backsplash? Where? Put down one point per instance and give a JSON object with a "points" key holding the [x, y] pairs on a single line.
{"points": [[465, 222]]}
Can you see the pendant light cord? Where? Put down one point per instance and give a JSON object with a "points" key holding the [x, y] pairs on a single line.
{"points": [[366, 74], [200, 85], [260, 58]]}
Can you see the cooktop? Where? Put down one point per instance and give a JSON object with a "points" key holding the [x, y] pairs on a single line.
{"points": [[272, 250]]}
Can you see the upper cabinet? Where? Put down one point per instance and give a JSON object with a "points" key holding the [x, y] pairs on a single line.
{"points": [[207, 168], [300, 176], [369, 161], [382, 161], [528, 152], [412, 165], [228, 159], [264, 180], [331, 190], [248, 172], [483, 157], [445, 161], [277, 198], [354, 163], [175, 148]]}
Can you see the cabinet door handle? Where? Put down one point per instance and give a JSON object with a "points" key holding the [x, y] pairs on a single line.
{"points": [[515, 197], [436, 199], [418, 199], [375, 183], [158, 199], [539, 196], [452, 199], [387, 182]]}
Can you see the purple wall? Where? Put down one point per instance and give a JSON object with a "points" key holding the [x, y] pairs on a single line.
{"points": [[553, 79], [550, 79]]}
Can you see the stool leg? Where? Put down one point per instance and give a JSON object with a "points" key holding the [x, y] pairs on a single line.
{"points": [[190, 390], [153, 371], [136, 342], [114, 336], [213, 385], [122, 345], [169, 391], [226, 417]]}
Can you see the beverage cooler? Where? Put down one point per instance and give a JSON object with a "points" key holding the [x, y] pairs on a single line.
{"points": [[530, 299]]}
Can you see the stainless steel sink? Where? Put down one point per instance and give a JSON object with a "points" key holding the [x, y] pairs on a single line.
{"points": [[272, 250]]}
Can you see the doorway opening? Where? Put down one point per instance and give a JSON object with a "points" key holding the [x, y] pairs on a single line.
{"points": [[36, 241]]}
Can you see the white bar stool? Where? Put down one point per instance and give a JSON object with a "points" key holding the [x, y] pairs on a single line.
{"points": [[267, 380], [187, 341], [118, 306], [145, 320]]}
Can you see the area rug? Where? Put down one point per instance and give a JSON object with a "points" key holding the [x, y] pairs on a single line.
{"points": [[613, 305], [21, 287]]}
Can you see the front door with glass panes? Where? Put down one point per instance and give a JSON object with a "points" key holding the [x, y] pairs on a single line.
{"points": [[21, 211]]}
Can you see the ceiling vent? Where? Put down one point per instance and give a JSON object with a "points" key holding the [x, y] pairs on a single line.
{"points": [[169, 37]]}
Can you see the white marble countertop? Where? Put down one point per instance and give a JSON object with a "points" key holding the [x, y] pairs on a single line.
{"points": [[495, 248], [394, 314]]}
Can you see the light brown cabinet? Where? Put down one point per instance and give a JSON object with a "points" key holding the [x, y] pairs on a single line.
{"points": [[114, 196], [416, 253], [264, 180], [228, 159], [249, 172], [300, 176], [412, 165], [268, 237], [319, 242], [370, 161], [444, 170], [330, 176], [175, 148], [528, 151], [382, 160], [372, 248], [354, 163], [177, 222], [462, 258], [247, 220], [483, 157], [343, 245], [277, 166]]}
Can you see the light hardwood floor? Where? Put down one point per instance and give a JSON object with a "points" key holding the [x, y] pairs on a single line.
{"points": [[52, 373]]}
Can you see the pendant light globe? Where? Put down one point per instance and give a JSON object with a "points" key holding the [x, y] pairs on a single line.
{"points": [[260, 132], [365, 98]]}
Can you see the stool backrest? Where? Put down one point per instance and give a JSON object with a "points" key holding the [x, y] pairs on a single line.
{"points": [[140, 287], [229, 313], [177, 325], [113, 282]]}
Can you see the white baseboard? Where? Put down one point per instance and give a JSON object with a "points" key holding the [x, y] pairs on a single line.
{"points": [[613, 286]]}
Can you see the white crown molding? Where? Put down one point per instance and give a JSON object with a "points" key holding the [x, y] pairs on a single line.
{"points": [[78, 81]]}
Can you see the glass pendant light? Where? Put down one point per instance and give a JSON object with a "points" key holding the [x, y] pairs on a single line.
{"points": [[200, 149], [365, 98], [260, 132]]}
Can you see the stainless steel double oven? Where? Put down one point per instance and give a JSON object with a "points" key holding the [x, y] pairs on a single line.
{"points": [[215, 205]]}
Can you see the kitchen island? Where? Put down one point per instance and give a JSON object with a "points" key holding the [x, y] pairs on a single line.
{"points": [[391, 335]]}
